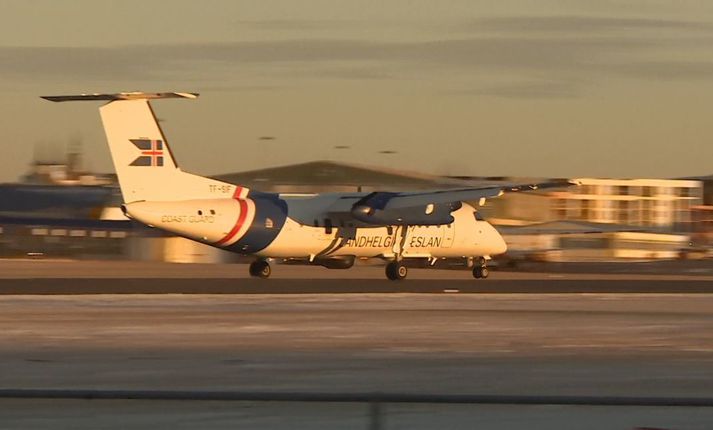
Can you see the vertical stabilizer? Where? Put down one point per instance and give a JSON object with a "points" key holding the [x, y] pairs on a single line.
{"points": [[141, 155], [145, 166]]}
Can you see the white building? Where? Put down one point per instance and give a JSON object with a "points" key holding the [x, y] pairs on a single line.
{"points": [[657, 203], [662, 203]]}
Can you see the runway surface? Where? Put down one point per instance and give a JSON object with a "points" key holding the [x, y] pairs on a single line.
{"points": [[96, 277], [556, 344], [584, 344]]}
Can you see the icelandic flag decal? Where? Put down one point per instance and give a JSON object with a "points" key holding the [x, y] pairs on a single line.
{"points": [[151, 152]]}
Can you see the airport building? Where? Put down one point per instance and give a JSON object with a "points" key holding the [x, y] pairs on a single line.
{"points": [[662, 204], [702, 215], [331, 176], [601, 220], [579, 241]]}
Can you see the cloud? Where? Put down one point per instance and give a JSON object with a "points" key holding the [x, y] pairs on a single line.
{"points": [[545, 57], [582, 24], [529, 90], [153, 61], [664, 70], [237, 88], [361, 73], [296, 25]]}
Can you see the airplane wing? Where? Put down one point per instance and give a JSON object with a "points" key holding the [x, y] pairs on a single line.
{"points": [[433, 207]]}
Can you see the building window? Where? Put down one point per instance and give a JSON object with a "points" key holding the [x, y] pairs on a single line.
{"points": [[39, 232], [586, 211]]}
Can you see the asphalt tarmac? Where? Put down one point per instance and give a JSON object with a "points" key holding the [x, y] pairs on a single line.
{"points": [[584, 344], [116, 277]]}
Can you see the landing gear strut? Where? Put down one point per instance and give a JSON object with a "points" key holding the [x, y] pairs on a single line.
{"points": [[260, 269], [480, 270], [396, 271]]}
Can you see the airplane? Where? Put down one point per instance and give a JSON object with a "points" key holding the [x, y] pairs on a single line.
{"points": [[329, 229]]}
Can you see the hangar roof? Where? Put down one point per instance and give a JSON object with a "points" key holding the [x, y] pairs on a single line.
{"points": [[336, 174]]}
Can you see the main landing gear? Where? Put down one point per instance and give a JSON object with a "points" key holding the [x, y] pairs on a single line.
{"points": [[396, 271], [480, 270], [260, 269]]}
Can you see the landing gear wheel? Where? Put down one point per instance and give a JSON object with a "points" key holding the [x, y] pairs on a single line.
{"points": [[396, 271], [260, 269], [480, 271]]}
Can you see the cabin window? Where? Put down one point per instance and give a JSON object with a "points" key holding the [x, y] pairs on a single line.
{"points": [[268, 223], [429, 209], [200, 212], [212, 212]]}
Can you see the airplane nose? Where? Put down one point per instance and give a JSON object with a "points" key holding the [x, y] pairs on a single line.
{"points": [[498, 243], [501, 246]]}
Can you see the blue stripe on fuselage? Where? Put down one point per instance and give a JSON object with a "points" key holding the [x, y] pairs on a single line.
{"points": [[269, 209]]}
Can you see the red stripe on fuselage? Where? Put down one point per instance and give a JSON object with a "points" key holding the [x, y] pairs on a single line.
{"points": [[238, 224]]}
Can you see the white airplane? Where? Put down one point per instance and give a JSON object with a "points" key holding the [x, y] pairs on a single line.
{"points": [[330, 229]]}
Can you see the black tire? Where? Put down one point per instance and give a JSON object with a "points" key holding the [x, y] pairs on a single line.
{"points": [[480, 272], [396, 271], [260, 269]]}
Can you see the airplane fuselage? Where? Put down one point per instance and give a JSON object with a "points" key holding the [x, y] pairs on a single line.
{"points": [[270, 226]]}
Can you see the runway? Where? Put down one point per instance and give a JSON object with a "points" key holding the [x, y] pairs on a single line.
{"points": [[99, 277], [517, 344]]}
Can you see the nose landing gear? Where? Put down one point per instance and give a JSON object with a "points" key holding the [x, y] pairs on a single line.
{"points": [[480, 270]]}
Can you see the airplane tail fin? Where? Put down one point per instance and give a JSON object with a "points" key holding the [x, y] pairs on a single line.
{"points": [[144, 163]]}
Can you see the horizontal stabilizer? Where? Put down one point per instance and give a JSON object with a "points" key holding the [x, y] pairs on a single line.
{"points": [[136, 95]]}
